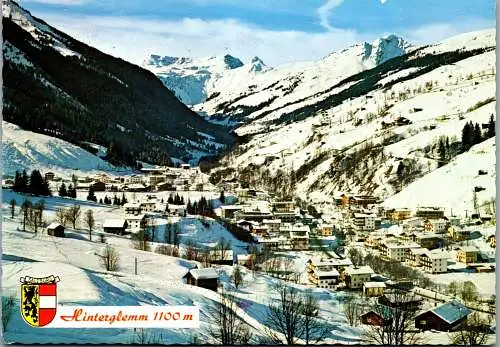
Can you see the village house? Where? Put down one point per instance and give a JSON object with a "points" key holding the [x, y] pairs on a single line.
{"points": [[136, 222], [381, 317], [49, 176], [228, 212], [283, 206], [115, 226], [134, 179], [255, 213], [132, 208], [399, 214], [430, 241], [325, 230], [299, 240], [262, 230], [373, 289], [206, 278], [271, 244], [154, 180], [355, 277], [135, 187], [413, 223], [326, 278], [492, 240], [363, 200], [176, 210], [467, 254], [221, 257], [395, 251], [148, 206], [394, 300], [413, 255], [437, 226], [447, 317], [430, 212], [273, 225], [55, 229], [246, 260], [364, 222], [458, 234], [434, 262]]}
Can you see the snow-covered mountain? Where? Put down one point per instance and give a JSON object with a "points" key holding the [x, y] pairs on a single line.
{"points": [[369, 131], [115, 104], [238, 98], [191, 79]]}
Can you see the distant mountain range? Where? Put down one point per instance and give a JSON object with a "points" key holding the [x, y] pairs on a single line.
{"points": [[192, 80], [58, 86]]}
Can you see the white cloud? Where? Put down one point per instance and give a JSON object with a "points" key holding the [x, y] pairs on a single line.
{"points": [[383, 1], [134, 39], [324, 13], [434, 32]]}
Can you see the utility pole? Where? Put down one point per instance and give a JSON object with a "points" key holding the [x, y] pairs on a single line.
{"points": [[135, 263]]}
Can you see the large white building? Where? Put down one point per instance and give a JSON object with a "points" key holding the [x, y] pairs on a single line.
{"points": [[434, 262], [364, 221]]}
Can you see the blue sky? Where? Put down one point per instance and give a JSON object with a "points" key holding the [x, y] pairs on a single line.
{"points": [[278, 31]]}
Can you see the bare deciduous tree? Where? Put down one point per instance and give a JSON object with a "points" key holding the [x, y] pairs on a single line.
{"points": [[227, 328], [315, 330], [400, 325], [474, 332], [237, 276], [284, 316], [140, 240], [90, 222], [110, 258], [12, 207], [468, 291], [25, 208], [73, 214], [61, 216], [351, 309], [223, 247]]}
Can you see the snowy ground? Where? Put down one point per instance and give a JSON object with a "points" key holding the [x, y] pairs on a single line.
{"points": [[159, 281], [23, 149]]}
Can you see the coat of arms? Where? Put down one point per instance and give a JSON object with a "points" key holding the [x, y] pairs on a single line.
{"points": [[39, 300]]}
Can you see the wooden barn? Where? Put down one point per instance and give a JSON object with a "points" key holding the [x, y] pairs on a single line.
{"points": [[55, 229], [381, 316], [115, 226], [446, 317], [206, 278]]}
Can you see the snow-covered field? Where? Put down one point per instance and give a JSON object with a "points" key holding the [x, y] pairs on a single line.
{"points": [[159, 281], [23, 149]]}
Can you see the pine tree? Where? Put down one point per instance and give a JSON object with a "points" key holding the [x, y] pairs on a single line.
{"points": [[24, 182], [467, 136], [124, 200], [491, 127], [447, 147], [62, 190], [477, 136], [100, 201], [222, 197], [442, 151], [35, 183], [91, 196], [116, 201], [71, 192]]}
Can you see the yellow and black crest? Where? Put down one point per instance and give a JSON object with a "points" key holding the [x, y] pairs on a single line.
{"points": [[39, 300]]}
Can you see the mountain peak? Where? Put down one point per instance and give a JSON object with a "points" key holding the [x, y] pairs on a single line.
{"points": [[383, 49], [232, 62], [257, 65]]}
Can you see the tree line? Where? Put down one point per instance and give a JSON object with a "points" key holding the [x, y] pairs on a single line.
{"points": [[34, 184], [472, 133]]}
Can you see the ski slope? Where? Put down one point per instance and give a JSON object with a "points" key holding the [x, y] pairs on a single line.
{"points": [[23, 149]]}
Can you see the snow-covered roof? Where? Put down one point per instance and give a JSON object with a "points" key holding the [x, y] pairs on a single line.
{"points": [[136, 217], [362, 270], [374, 285], [232, 207], [114, 223], [419, 250], [53, 225], [323, 273], [132, 205], [468, 248], [436, 255], [205, 273], [271, 221]]}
